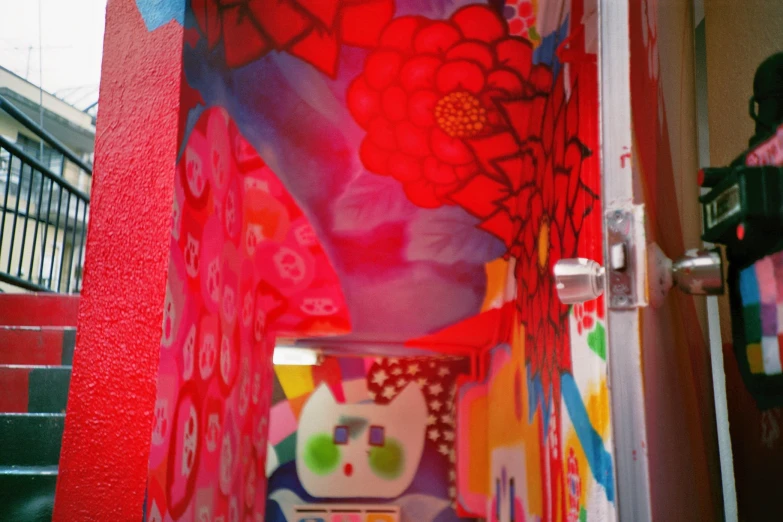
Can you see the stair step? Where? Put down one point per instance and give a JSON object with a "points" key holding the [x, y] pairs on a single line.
{"points": [[44, 346], [34, 389], [38, 309], [30, 439], [27, 493]]}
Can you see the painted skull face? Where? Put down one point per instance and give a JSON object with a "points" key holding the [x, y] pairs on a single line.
{"points": [[290, 265], [160, 423], [305, 235], [188, 353], [189, 443], [192, 247], [319, 306], [194, 173]]}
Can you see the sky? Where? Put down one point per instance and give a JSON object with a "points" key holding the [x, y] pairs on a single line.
{"points": [[71, 50]]}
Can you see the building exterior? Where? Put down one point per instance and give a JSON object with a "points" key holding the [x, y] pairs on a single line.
{"points": [[43, 223]]}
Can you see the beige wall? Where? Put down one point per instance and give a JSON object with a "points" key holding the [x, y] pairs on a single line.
{"points": [[740, 35]]}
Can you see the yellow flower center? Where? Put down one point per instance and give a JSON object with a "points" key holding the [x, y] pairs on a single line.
{"points": [[460, 115], [543, 244]]}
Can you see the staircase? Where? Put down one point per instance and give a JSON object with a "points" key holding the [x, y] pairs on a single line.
{"points": [[37, 337]]}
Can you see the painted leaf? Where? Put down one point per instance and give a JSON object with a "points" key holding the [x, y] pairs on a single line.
{"points": [[449, 236]]}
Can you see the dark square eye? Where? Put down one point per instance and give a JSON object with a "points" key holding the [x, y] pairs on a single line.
{"points": [[377, 436], [341, 434]]}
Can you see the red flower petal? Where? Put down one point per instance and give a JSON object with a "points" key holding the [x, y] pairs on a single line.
{"points": [[479, 22], [541, 78], [516, 54], [395, 103], [419, 72], [208, 20], [479, 196], [442, 191], [381, 68], [438, 172], [477, 52], [363, 102], [242, 41], [281, 21], [489, 148], [422, 193], [324, 10], [374, 158], [360, 23], [505, 80], [460, 75], [499, 225], [381, 132], [320, 49], [436, 38], [588, 321], [412, 140], [404, 167], [466, 171], [421, 108], [400, 32], [451, 150]]}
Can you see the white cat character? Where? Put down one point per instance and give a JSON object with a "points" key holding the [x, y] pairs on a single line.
{"points": [[360, 450]]}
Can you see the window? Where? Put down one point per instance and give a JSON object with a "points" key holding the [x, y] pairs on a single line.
{"points": [[51, 158]]}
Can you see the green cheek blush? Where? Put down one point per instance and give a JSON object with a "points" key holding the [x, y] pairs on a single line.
{"points": [[321, 455], [387, 461]]}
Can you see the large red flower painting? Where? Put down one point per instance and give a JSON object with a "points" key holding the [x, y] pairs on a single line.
{"points": [[428, 94], [457, 112], [312, 30]]}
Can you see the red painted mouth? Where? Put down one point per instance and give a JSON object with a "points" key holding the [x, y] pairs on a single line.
{"points": [[348, 470]]}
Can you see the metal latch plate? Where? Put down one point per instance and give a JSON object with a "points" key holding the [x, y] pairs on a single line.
{"points": [[625, 251]]}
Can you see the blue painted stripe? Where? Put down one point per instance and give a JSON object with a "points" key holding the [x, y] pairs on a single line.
{"points": [[599, 460], [749, 287]]}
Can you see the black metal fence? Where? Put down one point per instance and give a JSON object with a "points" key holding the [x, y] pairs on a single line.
{"points": [[43, 219]]}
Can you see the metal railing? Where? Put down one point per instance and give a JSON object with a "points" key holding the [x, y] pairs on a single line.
{"points": [[43, 217]]}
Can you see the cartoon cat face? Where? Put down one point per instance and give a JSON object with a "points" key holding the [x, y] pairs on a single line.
{"points": [[509, 485], [360, 450]]}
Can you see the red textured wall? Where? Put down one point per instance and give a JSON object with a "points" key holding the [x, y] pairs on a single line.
{"points": [[105, 451]]}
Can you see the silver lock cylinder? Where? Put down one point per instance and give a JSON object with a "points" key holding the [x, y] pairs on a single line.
{"points": [[578, 280]]}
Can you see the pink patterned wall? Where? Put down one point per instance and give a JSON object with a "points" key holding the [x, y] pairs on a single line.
{"points": [[244, 263]]}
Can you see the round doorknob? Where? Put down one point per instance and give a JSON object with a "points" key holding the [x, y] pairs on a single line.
{"points": [[578, 280]]}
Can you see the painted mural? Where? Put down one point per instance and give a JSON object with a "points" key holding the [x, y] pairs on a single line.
{"points": [[354, 430], [398, 172], [244, 263]]}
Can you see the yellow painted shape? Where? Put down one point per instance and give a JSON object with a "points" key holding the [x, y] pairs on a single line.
{"points": [[497, 277], [598, 413], [478, 476], [295, 380], [755, 358], [381, 517], [506, 430]]}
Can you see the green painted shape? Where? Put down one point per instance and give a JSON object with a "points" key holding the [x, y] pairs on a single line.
{"points": [[48, 390], [356, 425], [752, 316], [596, 340], [286, 449], [582, 514], [388, 461], [321, 454]]}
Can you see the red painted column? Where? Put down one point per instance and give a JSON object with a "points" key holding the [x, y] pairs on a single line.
{"points": [[103, 467]]}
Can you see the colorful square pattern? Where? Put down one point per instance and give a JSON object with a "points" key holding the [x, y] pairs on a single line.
{"points": [[761, 291]]}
